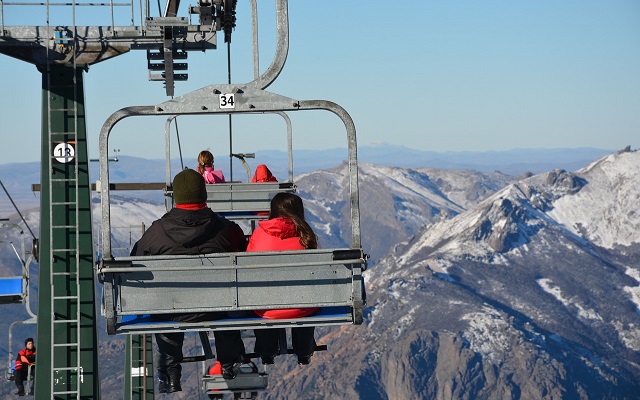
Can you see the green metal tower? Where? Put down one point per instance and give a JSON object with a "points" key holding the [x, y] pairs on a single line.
{"points": [[66, 299]]}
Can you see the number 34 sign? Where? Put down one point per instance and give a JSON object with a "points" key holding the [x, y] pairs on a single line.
{"points": [[64, 152], [227, 100]]}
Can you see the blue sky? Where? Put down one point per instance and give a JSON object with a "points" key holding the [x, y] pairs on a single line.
{"points": [[430, 75]]}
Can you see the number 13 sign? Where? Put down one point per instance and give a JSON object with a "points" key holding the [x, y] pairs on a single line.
{"points": [[64, 152]]}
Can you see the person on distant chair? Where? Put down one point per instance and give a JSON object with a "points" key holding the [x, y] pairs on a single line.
{"points": [[205, 168], [191, 228], [25, 365], [263, 174], [286, 229]]}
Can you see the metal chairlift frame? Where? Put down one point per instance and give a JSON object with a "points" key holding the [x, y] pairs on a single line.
{"points": [[248, 98], [204, 101], [237, 200]]}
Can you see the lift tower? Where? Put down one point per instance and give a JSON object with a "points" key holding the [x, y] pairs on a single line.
{"points": [[67, 366]]}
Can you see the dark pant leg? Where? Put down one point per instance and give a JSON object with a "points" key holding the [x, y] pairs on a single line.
{"points": [[303, 341], [266, 342], [229, 346], [20, 376], [169, 351]]}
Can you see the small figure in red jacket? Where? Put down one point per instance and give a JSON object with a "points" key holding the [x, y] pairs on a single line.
{"points": [[263, 174], [286, 229], [205, 168], [26, 358]]}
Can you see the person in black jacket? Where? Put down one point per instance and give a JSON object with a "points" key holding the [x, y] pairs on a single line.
{"points": [[191, 228]]}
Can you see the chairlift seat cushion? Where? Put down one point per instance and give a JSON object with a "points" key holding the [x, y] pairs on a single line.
{"points": [[146, 323]]}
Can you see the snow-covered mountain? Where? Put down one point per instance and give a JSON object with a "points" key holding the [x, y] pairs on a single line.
{"points": [[532, 294], [395, 203]]}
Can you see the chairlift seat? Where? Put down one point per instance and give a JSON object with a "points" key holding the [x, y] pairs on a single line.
{"points": [[12, 290], [240, 200], [136, 288]]}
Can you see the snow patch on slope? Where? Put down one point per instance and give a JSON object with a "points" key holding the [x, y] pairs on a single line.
{"points": [[634, 291], [548, 286], [605, 210], [488, 334], [405, 187]]}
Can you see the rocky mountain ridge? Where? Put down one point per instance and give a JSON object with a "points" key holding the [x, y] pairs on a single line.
{"points": [[504, 301]]}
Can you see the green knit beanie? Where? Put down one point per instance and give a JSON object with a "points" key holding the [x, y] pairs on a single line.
{"points": [[188, 187]]}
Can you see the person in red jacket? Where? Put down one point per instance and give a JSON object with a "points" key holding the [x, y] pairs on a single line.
{"points": [[26, 358], [263, 174], [286, 229]]}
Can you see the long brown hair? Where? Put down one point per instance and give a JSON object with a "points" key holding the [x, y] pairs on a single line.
{"points": [[205, 159], [289, 205]]}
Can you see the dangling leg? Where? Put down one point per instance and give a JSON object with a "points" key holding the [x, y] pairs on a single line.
{"points": [[266, 344], [168, 361], [303, 343], [20, 376], [229, 349]]}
